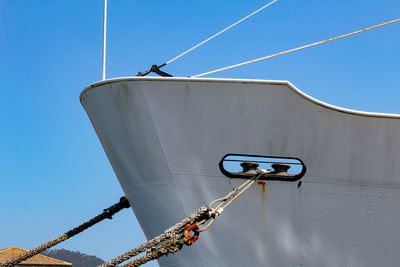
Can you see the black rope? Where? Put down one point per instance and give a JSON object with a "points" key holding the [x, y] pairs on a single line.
{"points": [[106, 214], [155, 69]]}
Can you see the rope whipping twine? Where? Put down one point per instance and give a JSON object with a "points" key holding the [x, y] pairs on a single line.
{"points": [[106, 214], [293, 50]]}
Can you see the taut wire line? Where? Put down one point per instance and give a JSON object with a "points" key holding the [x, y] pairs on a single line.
{"points": [[218, 33], [295, 49]]}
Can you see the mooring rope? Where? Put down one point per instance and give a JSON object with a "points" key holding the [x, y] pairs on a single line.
{"points": [[295, 49], [230, 198], [190, 223], [166, 248], [106, 214], [198, 216], [170, 241]]}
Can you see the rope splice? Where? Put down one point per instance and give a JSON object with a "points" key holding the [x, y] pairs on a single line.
{"points": [[106, 214]]}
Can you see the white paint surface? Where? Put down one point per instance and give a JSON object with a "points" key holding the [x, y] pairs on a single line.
{"points": [[165, 136]]}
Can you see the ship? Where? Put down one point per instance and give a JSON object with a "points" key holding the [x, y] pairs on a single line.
{"points": [[167, 138]]}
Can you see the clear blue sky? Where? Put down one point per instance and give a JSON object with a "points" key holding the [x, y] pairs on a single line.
{"points": [[53, 171]]}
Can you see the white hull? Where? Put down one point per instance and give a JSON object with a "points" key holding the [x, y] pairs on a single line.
{"points": [[165, 136]]}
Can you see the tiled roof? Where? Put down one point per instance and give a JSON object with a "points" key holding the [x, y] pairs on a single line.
{"points": [[9, 253]]}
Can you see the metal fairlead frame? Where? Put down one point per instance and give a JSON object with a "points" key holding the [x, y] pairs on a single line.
{"points": [[249, 163]]}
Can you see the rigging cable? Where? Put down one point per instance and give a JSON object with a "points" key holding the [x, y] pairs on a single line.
{"points": [[293, 50], [156, 67], [218, 33]]}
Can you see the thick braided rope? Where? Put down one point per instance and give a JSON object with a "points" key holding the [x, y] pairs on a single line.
{"points": [[106, 214], [177, 229], [166, 248], [35, 251]]}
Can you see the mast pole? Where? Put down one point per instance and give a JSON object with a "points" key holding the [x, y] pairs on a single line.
{"points": [[104, 39]]}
